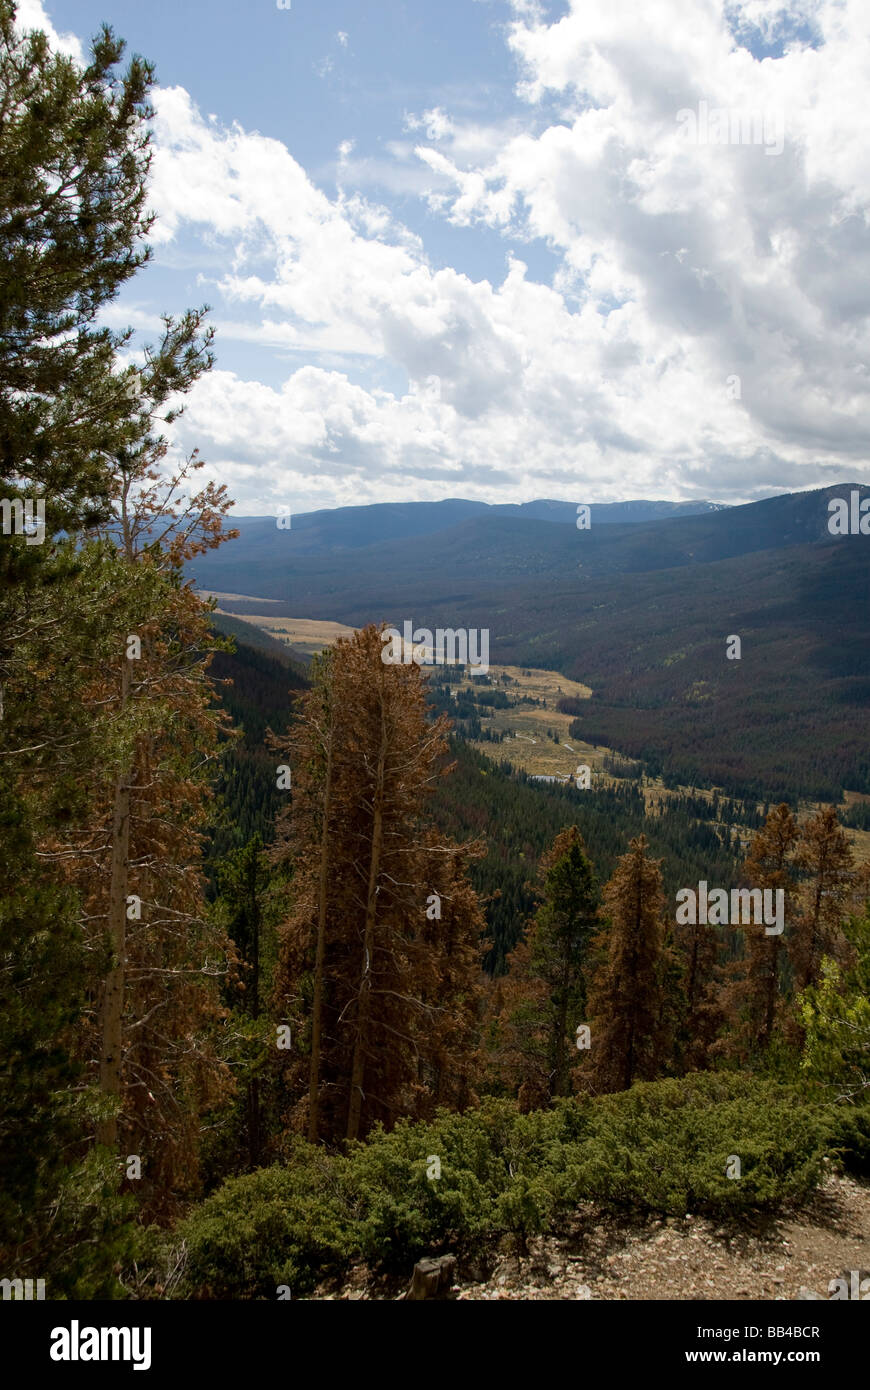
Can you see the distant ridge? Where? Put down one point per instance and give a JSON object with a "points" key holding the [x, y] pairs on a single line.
{"points": [[640, 612], [352, 528], [610, 513], [345, 564]]}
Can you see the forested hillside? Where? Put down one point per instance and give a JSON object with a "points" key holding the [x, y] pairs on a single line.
{"points": [[256, 689], [516, 817], [349, 529], [785, 719]]}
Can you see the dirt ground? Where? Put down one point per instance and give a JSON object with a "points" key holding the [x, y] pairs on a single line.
{"points": [[792, 1255]]}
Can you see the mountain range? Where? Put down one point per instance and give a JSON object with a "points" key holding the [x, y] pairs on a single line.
{"points": [[640, 610]]}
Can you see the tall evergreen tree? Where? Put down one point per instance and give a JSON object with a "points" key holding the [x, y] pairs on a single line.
{"points": [[74, 157], [697, 948], [825, 862], [384, 984], [753, 997], [631, 1037], [159, 1001], [542, 1002], [73, 160]]}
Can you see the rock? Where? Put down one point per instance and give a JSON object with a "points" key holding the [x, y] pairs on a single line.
{"points": [[475, 1271], [809, 1293], [433, 1278]]}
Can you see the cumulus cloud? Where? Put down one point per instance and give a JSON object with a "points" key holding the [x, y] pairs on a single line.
{"points": [[30, 14], [706, 332], [730, 258]]}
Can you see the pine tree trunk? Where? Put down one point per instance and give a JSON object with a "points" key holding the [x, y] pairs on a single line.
{"points": [[254, 1083], [692, 983], [253, 1107], [558, 1050], [364, 1001], [113, 998], [317, 1010], [637, 928], [809, 974], [770, 993]]}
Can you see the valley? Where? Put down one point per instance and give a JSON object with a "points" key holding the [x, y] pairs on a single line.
{"points": [[638, 611], [530, 734]]}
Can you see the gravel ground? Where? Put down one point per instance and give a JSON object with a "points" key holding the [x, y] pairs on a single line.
{"points": [[794, 1254]]}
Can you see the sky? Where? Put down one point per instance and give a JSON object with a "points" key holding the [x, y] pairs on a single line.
{"points": [[508, 249]]}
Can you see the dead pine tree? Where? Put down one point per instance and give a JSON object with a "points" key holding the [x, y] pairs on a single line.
{"points": [[752, 998], [363, 974], [627, 990]]}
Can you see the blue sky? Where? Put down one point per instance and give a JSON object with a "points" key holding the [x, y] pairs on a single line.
{"points": [[318, 75], [492, 248]]}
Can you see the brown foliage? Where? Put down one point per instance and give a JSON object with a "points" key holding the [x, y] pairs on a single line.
{"points": [[752, 995], [824, 859], [152, 1033], [631, 1035], [399, 996]]}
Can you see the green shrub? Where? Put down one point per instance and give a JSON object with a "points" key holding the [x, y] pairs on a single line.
{"points": [[662, 1146], [91, 1232], [665, 1146], [850, 1137], [402, 1212], [276, 1226]]}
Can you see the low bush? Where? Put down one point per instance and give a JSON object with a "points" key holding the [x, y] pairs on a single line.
{"points": [[280, 1225], [665, 1146], [850, 1137]]}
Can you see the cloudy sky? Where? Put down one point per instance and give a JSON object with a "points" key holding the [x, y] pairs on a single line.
{"points": [[503, 249]]}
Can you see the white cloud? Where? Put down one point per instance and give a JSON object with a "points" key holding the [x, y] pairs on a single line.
{"points": [[436, 123], [30, 14], [749, 261], [681, 267]]}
